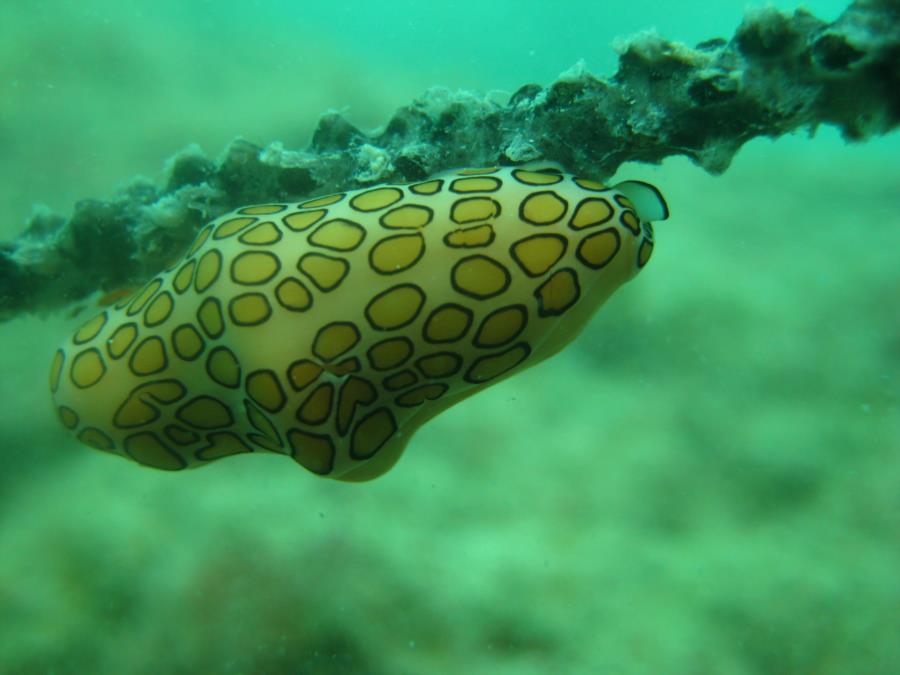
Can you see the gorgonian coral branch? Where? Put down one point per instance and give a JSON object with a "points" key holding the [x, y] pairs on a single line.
{"points": [[779, 72]]}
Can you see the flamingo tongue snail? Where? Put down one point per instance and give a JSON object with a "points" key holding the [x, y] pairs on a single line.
{"points": [[332, 329]]}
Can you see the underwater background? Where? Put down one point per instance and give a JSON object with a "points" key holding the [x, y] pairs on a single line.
{"points": [[706, 481]]}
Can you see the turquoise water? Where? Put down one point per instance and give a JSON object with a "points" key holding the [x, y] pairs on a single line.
{"points": [[704, 482]]}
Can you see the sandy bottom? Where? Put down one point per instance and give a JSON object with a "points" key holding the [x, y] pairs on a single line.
{"points": [[705, 482]]}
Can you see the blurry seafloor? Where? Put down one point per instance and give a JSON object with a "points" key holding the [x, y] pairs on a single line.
{"points": [[707, 481]]}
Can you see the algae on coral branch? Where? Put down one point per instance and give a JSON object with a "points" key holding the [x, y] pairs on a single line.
{"points": [[779, 72]]}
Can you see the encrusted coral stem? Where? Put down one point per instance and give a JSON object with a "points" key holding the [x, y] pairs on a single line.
{"points": [[778, 73]]}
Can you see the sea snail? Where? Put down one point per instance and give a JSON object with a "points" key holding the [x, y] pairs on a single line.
{"points": [[332, 329]]}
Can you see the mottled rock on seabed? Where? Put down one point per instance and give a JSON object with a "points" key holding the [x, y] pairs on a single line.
{"points": [[779, 72]]}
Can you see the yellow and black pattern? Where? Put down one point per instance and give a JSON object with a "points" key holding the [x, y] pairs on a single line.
{"points": [[330, 330]]}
